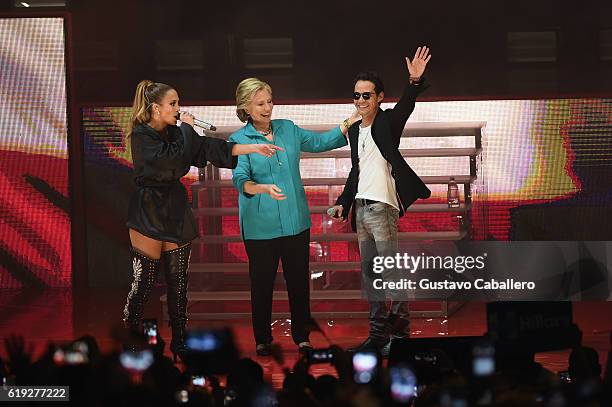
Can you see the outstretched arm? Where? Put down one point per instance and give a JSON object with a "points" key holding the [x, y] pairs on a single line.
{"points": [[405, 106], [267, 150], [313, 142]]}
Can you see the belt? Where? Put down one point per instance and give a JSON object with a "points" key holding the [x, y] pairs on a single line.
{"points": [[366, 201]]}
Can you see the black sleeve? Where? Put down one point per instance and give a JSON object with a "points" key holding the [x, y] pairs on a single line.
{"points": [[207, 149], [160, 154], [348, 194], [402, 110], [217, 152]]}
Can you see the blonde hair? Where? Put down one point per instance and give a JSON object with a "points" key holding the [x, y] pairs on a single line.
{"points": [[147, 93], [244, 94]]}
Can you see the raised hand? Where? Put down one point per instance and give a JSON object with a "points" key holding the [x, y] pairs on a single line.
{"points": [[19, 355], [416, 67]]}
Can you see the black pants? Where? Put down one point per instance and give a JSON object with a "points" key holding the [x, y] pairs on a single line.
{"points": [[293, 251]]}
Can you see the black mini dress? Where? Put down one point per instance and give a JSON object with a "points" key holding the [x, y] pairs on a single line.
{"points": [[159, 208]]}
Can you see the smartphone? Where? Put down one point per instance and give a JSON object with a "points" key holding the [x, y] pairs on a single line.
{"points": [[565, 377], [198, 381], [210, 351], [364, 366], [320, 356], [149, 327], [403, 383], [76, 353], [136, 361], [483, 361], [69, 357], [204, 341], [426, 357]]}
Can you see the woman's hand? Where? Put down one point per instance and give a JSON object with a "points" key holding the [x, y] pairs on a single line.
{"points": [[274, 191], [186, 117], [419, 62], [267, 150], [355, 117]]}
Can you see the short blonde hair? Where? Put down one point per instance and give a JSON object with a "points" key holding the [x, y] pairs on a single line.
{"points": [[244, 94]]}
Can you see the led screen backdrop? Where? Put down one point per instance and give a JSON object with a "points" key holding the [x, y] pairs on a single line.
{"points": [[34, 204], [543, 173]]}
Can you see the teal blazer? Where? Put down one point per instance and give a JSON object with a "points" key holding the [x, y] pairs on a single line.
{"points": [[262, 217]]}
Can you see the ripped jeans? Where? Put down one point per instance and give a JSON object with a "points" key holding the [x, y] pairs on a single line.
{"points": [[377, 235]]}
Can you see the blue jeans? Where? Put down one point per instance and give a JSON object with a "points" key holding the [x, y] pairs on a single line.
{"points": [[377, 235]]}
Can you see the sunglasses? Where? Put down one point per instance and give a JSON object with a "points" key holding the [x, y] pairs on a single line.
{"points": [[365, 95]]}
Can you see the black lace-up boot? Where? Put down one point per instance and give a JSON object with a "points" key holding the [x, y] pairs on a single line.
{"points": [[175, 264]]}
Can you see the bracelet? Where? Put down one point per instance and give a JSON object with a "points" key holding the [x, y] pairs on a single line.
{"points": [[346, 123]]}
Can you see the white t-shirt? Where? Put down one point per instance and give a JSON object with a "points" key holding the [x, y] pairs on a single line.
{"points": [[375, 180]]}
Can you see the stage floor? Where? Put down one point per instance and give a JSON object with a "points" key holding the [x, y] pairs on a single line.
{"points": [[50, 316]]}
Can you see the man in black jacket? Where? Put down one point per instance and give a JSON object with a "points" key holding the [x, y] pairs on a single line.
{"points": [[379, 188]]}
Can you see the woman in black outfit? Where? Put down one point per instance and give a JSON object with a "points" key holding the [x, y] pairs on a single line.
{"points": [[160, 221]]}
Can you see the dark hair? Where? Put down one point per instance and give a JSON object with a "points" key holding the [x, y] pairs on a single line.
{"points": [[372, 77], [147, 93]]}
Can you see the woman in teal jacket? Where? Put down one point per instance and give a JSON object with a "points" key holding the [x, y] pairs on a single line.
{"points": [[274, 214]]}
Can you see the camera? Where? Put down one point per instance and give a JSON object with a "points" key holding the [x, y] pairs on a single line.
{"points": [[364, 366], [320, 356], [149, 327]]}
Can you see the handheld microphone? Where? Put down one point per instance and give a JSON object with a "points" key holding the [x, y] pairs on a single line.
{"points": [[200, 123]]}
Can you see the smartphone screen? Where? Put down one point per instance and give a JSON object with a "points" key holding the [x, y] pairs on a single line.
{"points": [[149, 326], [199, 381], [364, 366], [204, 341], [403, 383], [136, 361], [73, 354], [483, 362]]}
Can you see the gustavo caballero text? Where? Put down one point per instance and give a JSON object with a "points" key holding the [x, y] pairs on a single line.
{"points": [[478, 284]]}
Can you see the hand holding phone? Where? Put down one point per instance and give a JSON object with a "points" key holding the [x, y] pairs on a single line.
{"points": [[403, 383], [136, 362], [364, 366], [149, 327]]}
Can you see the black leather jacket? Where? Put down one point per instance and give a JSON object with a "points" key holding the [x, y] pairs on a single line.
{"points": [[386, 132], [159, 208]]}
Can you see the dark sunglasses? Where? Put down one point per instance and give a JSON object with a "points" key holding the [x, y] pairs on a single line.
{"points": [[365, 95]]}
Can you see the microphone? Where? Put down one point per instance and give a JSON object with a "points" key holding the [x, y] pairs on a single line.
{"points": [[332, 213], [200, 123]]}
